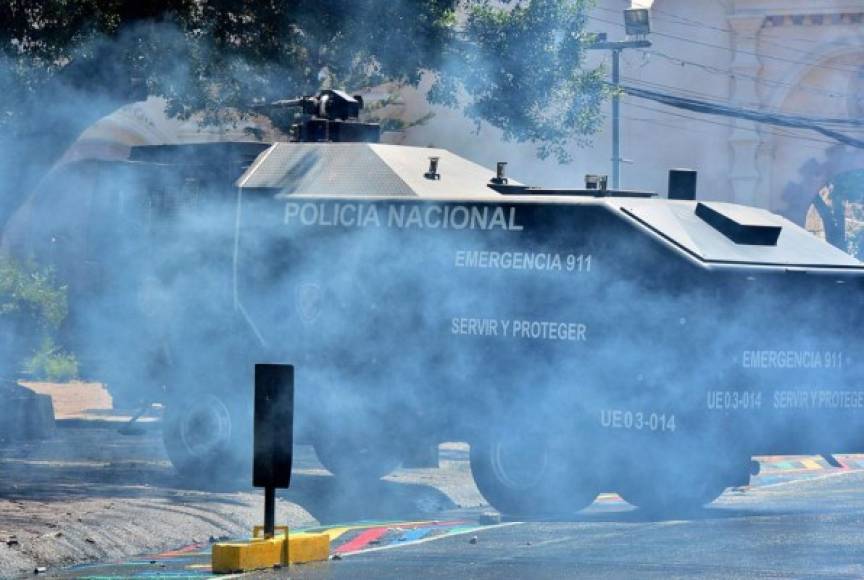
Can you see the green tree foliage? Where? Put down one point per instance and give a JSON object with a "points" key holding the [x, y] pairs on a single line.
{"points": [[523, 69], [52, 363], [514, 59], [32, 308], [28, 291], [515, 64]]}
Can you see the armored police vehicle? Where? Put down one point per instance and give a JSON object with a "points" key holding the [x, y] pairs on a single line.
{"points": [[581, 340]]}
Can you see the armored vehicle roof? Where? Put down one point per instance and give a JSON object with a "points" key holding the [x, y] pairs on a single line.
{"points": [[711, 233], [371, 169], [727, 233], [197, 153]]}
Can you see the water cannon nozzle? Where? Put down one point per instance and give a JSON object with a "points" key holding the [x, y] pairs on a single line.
{"points": [[327, 104]]}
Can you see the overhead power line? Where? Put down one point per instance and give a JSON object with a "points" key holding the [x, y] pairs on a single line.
{"points": [[801, 140], [703, 95], [786, 116], [738, 49], [725, 72], [776, 119]]}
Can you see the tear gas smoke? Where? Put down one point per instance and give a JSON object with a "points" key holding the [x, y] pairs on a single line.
{"points": [[618, 350]]}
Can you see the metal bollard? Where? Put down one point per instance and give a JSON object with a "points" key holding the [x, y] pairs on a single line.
{"points": [[273, 435]]}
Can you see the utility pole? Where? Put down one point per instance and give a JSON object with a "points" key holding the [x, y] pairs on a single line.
{"points": [[616, 48], [637, 25], [616, 119]]}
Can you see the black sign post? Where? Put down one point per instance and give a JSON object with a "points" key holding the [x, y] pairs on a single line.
{"points": [[273, 435]]}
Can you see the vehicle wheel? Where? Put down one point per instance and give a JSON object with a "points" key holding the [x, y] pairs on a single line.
{"points": [[358, 457], [522, 474], [200, 435], [670, 489]]}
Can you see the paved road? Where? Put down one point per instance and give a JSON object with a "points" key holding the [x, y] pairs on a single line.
{"points": [[800, 518], [801, 528]]}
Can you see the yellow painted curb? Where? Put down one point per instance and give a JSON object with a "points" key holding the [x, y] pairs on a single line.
{"points": [[259, 553], [255, 554], [304, 548]]}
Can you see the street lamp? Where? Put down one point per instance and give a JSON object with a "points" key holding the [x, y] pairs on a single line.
{"points": [[637, 24]]}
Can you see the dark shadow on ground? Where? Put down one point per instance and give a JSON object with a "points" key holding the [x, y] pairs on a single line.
{"points": [[624, 513], [331, 500], [98, 462], [629, 514]]}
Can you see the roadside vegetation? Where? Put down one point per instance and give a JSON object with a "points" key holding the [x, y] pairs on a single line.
{"points": [[33, 307]]}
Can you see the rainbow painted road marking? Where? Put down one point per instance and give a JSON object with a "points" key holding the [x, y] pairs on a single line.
{"points": [[193, 561], [779, 468]]}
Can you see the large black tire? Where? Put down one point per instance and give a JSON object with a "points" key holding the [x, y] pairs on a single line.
{"points": [[667, 488], [522, 474], [203, 437], [359, 457]]}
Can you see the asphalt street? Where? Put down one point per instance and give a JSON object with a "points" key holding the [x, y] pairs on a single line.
{"points": [[800, 517], [793, 529]]}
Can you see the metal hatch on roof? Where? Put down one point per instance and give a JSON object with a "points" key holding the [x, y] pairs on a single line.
{"points": [[740, 224], [677, 222]]}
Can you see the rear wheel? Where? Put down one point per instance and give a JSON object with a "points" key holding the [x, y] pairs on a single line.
{"points": [[201, 436], [359, 456], [521, 473], [668, 487]]}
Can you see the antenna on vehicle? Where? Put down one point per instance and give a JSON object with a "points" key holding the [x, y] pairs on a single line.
{"points": [[596, 182], [499, 178], [433, 169]]}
